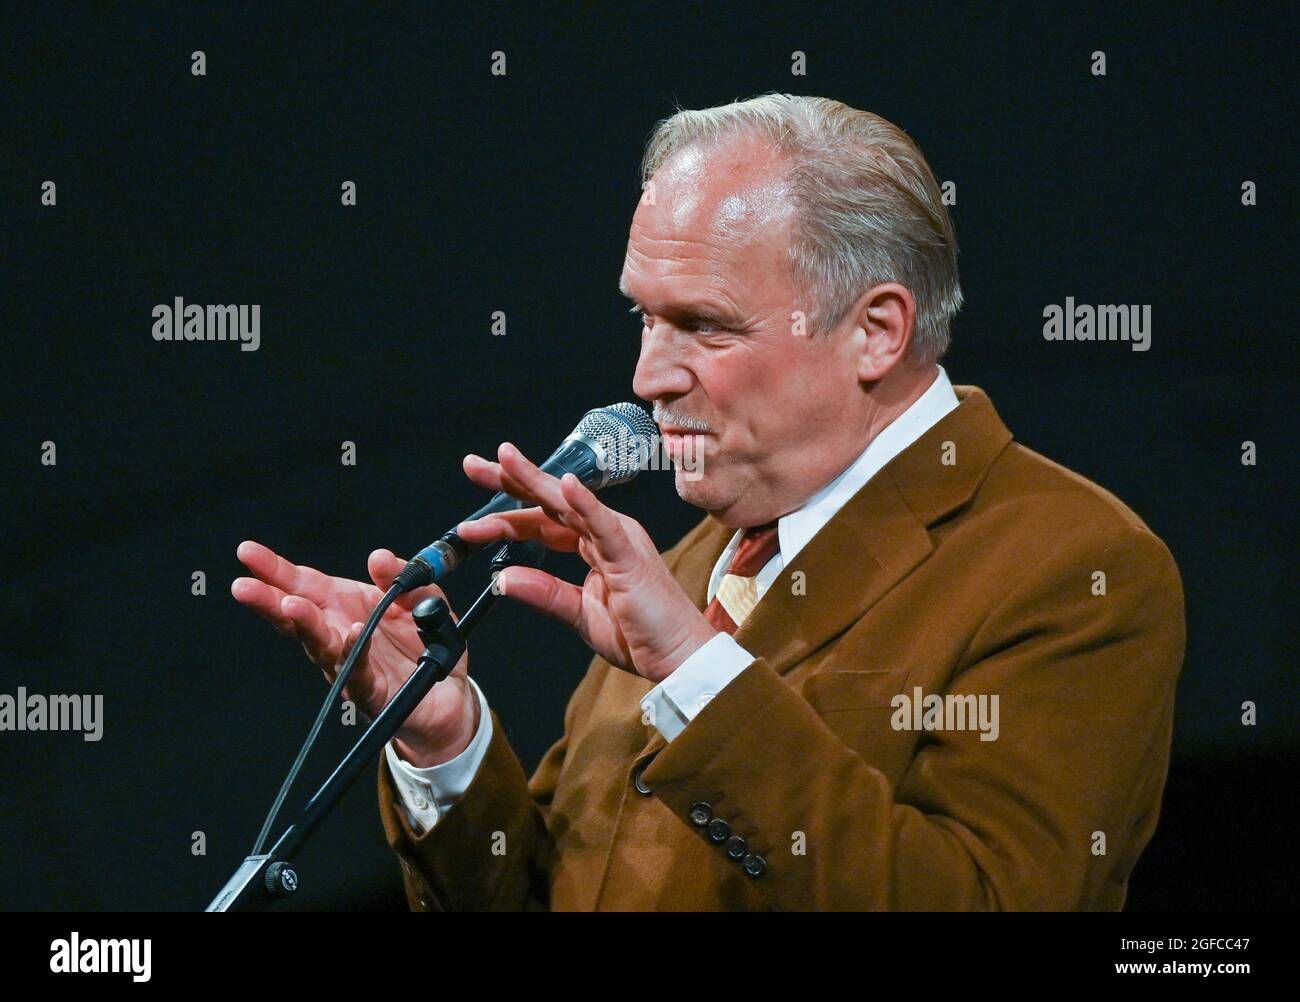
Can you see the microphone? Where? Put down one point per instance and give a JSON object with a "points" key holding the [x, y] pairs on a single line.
{"points": [[610, 446]]}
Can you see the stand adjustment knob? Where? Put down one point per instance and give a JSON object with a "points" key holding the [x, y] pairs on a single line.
{"points": [[281, 879]]}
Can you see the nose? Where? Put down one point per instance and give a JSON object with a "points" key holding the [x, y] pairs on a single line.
{"points": [[659, 371]]}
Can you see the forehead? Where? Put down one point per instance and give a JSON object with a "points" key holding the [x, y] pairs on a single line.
{"points": [[714, 211]]}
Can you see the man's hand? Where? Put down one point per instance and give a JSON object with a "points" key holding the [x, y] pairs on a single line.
{"points": [[327, 614], [630, 610]]}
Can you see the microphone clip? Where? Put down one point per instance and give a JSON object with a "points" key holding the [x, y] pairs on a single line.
{"points": [[443, 641]]}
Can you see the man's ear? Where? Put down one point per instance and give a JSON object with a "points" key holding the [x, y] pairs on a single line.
{"points": [[883, 318]]}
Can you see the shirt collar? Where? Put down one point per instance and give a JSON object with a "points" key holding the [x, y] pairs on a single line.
{"points": [[795, 530]]}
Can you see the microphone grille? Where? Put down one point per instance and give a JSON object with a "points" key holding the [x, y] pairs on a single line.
{"points": [[627, 436]]}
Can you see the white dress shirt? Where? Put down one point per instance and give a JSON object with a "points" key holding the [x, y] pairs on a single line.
{"points": [[429, 793]]}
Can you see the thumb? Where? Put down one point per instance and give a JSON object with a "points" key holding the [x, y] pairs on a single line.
{"points": [[384, 566]]}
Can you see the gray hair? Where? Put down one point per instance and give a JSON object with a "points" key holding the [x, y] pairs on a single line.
{"points": [[869, 207]]}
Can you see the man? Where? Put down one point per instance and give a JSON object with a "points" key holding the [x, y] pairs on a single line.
{"points": [[902, 663]]}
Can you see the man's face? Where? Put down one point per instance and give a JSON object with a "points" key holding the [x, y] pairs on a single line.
{"points": [[707, 265]]}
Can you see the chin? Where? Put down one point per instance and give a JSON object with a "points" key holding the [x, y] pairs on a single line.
{"points": [[702, 492]]}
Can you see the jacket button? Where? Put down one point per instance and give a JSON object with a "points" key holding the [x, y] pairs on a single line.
{"points": [[755, 865], [719, 830], [736, 847], [701, 813], [639, 783]]}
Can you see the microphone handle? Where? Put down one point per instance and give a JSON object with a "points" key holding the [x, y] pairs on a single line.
{"points": [[576, 455]]}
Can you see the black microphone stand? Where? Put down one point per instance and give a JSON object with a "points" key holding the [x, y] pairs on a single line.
{"points": [[264, 877]]}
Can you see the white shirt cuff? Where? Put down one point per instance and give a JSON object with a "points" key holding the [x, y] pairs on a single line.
{"points": [[676, 701], [429, 792]]}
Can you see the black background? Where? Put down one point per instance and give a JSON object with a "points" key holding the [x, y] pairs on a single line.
{"points": [[479, 193]]}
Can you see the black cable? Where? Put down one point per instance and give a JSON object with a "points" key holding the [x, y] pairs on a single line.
{"points": [[326, 708]]}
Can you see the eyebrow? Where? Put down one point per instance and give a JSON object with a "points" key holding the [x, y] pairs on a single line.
{"points": [[622, 289], [690, 311]]}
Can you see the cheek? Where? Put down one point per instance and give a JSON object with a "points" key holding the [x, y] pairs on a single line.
{"points": [[741, 383], [812, 376]]}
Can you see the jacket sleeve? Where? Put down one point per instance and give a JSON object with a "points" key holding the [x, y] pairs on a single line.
{"points": [[1052, 814], [491, 850]]}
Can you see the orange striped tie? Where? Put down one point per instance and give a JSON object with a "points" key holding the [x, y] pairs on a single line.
{"points": [[737, 593]]}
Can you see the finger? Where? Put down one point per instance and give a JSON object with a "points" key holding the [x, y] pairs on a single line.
{"points": [[482, 471], [263, 600], [490, 475], [522, 480], [291, 578], [527, 523], [360, 687], [345, 648], [521, 475], [322, 643], [599, 524], [544, 592]]}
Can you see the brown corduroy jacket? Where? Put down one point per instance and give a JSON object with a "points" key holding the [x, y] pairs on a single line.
{"points": [[970, 567]]}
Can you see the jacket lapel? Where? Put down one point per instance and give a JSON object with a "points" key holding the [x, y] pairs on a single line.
{"points": [[879, 535], [869, 545]]}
